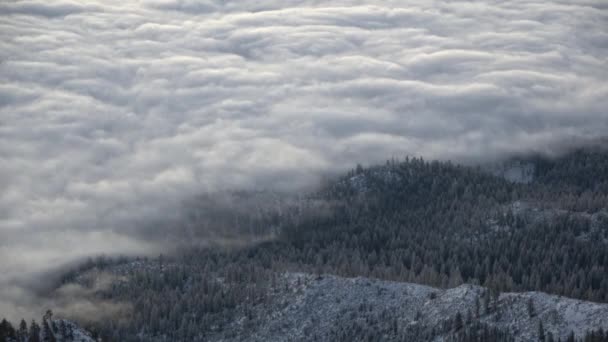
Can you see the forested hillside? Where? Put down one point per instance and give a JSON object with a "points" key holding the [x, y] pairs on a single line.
{"points": [[49, 329], [433, 223], [440, 224]]}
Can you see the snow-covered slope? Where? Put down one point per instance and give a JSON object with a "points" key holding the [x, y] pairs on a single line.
{"points": [[68, 331], [307, 307]]}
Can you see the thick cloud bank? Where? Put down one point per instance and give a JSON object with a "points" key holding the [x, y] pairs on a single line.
{"points": [[111, 111]]}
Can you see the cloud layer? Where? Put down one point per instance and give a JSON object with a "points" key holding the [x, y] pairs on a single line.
{"points": [[113, 111]]}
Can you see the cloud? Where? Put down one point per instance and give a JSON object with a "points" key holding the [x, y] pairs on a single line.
{"points": [[112, 113], [80, 300], [36, 8]]}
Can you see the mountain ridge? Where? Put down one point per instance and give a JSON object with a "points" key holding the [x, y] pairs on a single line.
{"points": [[413, 221]]}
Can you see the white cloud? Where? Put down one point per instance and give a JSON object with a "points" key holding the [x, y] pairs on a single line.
{"points": [[112, 111]]}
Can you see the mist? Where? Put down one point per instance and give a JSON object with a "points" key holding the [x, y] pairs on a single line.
{"points": [[115, 114]]}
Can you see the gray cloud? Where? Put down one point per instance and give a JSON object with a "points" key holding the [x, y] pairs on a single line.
{"points": [[56, 9], [112, 113]]}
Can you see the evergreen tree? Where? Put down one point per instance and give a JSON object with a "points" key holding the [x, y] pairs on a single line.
{"points": [[34, 333], [47, 332], [23, 331], [541, 331], [531, 309]]}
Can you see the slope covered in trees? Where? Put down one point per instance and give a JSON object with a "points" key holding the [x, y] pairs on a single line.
{"points": [[440, 224], [49, 330], [433, 223]]}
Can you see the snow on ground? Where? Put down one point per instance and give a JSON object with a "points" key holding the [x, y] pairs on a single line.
{"points": [[316, 305]]}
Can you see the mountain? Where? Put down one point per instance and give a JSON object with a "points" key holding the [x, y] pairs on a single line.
{"points": [[466, 234], [321, 307], [329, 308]]}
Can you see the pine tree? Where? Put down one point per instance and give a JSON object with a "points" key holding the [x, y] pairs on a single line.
{"points": [[571, 337], [23, 331], [541, 331], [34, 333], [458, 321], [7, 332], [47, 333], [531, 310]]}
